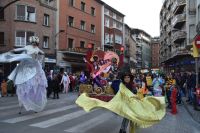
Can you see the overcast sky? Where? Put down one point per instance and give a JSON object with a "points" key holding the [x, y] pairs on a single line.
{"points": [[142, 14]]}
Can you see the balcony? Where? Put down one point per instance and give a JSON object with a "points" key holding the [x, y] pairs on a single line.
{"points": [[164, 23], [168, 29], [48, 3], [138, 52], [179, 36], [168, 16], [168, 3], [179, 20], [77, 50], [178, 5]]}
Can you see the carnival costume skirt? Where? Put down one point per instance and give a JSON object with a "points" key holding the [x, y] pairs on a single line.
{"points": [[141, 112], [31, 83]]}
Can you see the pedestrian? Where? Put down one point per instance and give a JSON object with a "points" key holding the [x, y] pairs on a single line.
{"points": [[65, 81], [55, 86], [4, 88], [10, 87]]}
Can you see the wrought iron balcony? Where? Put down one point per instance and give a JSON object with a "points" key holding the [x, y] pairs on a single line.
{"points": [[48, 3], [168, 29], [177, 4], [77, 50], [178, 19], [178, 36], [168, 15], [168, 3]]}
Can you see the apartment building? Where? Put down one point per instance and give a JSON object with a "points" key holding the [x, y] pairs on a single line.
{"points": [[26, 18], [155, 52], [177, 30], [78, 24], [143, 49], [130, 49], [113, 29]]}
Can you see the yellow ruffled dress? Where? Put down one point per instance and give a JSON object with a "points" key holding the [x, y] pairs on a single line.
{"points": [[141, 112]]}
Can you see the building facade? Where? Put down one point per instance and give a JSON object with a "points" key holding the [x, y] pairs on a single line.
{"points": [[177, 30], [143, 49], [130, 49], [155, 51], [26, 18], [80, 21], [113, 29]]}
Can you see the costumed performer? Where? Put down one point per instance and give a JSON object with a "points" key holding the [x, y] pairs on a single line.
{"points": [[28, 76], [141, 112]]}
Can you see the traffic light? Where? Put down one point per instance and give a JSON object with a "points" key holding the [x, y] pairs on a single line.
{"points": [[195, 51], [122, 50]]}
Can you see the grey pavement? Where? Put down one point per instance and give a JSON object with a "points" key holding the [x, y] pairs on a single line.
{"points": [[64, 116], [194, 114]]}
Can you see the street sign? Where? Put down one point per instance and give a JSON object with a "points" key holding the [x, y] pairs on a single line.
{"points": [[197, 42]]}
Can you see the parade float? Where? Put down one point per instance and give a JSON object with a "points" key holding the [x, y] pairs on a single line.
{"points": [[102, 67]]}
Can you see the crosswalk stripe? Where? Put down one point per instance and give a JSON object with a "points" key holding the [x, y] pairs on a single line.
{"points": [[17, 104], [58, 120], [90, 123], [9, 107], [37, 115]]}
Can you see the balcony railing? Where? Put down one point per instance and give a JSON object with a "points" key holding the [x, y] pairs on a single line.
{"points": [[178, 3], [178, 35], [168, 15], [77, 50], [49, 3], [168, 29], [168, 3], [178, 18]]}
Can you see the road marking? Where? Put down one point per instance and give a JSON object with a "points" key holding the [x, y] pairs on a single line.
{"points": [[58, 120], [90, 123], [39, 114], [49, 102], [9, 107]]}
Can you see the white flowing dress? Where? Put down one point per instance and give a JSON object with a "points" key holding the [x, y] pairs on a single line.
{"points": [[29, 77]]}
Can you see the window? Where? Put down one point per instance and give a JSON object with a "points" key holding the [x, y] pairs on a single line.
{"points": [[71, 2], [92, 11], [92, 28], [82, 6], [1, 38], [71, 21], [119, 26], [199, 13], [114, 24], [82, 44], [118, 39], [22, 38], [1, 14], [82, 25], [46, 20], [45, 42], [107, 38], [192, 32], [25, 13], [28, 35], [107, 22], [70, 43]]}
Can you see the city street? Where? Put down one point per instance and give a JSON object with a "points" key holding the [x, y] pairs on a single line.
{"points": [[64, 116]]}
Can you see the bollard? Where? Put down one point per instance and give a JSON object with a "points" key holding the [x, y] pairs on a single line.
{"points": [[173, 100]]}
